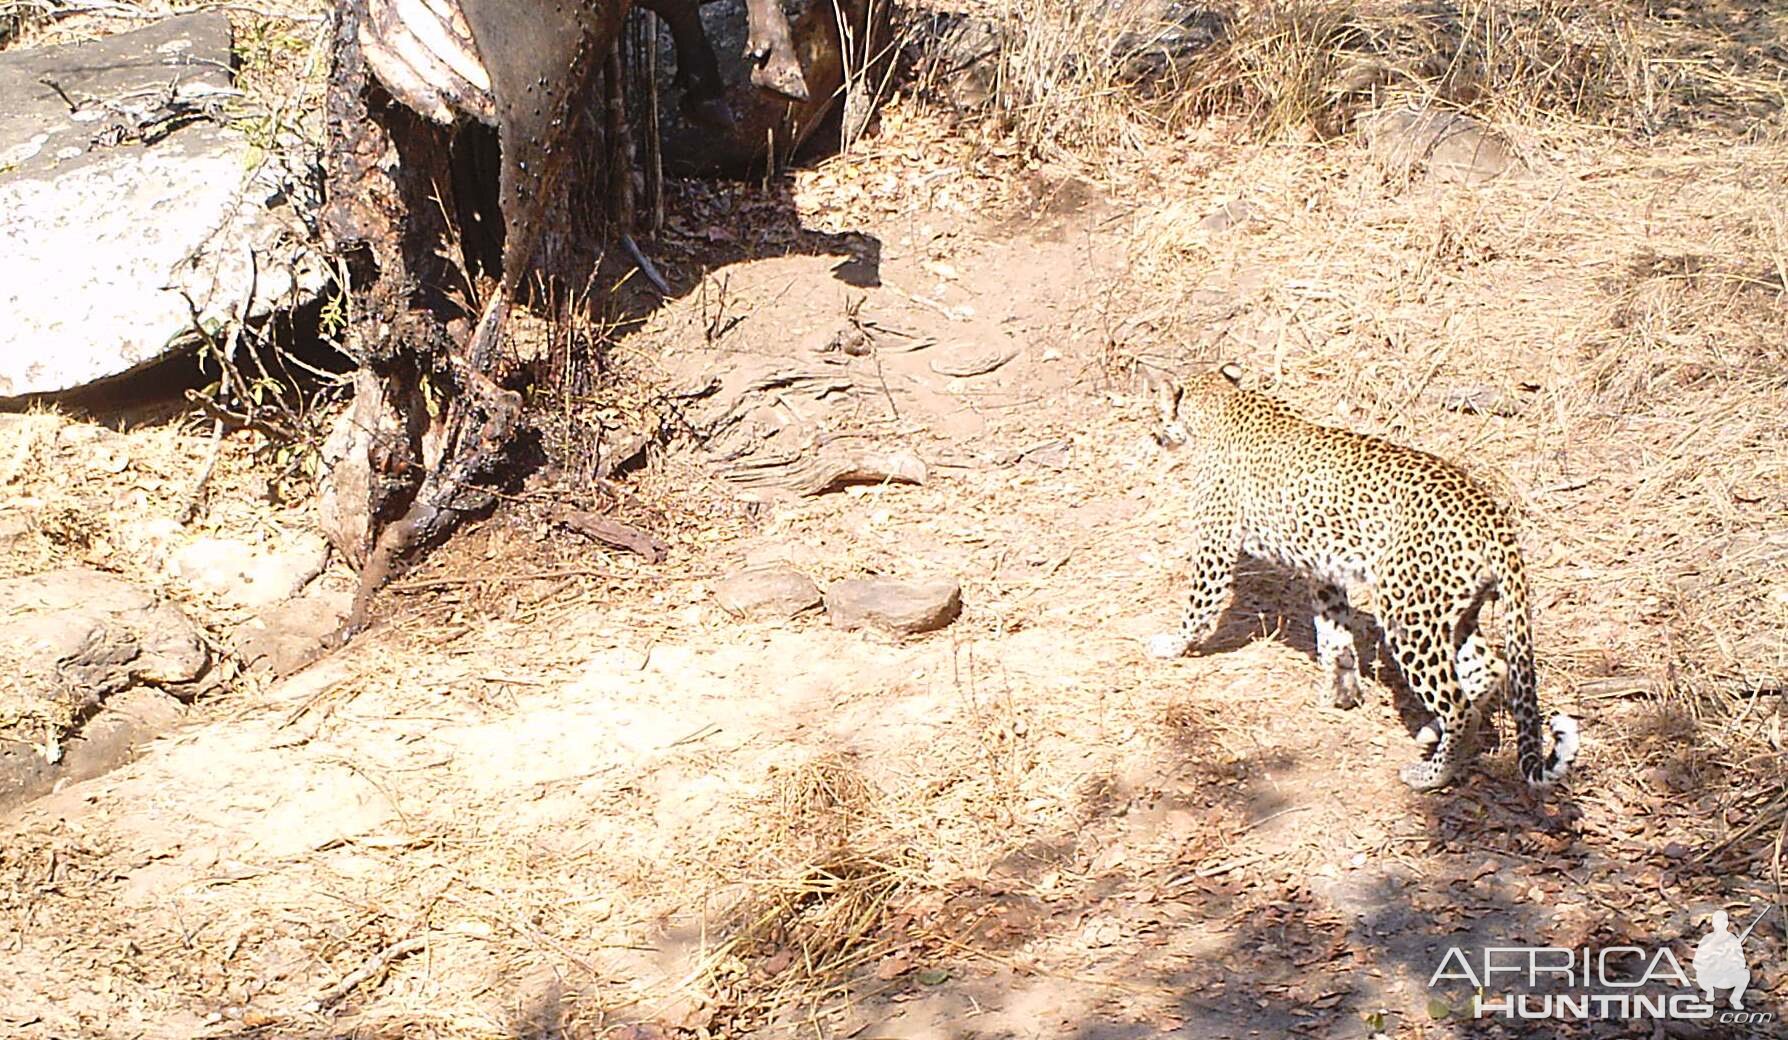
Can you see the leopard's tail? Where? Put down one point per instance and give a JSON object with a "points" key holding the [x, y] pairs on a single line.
{"points": [[1541, 769]]}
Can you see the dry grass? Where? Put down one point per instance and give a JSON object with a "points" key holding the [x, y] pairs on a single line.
{"points": [[822, 873], [1076, 78], [1630, 303], [19, 17]]}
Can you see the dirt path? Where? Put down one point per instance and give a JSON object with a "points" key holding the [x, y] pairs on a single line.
{"points": [[559, 814]]}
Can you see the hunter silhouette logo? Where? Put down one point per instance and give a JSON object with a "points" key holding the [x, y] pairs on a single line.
{"points": [[1720, 960], [1612, 982]]}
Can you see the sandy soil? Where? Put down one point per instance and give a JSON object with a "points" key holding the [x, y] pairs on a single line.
{"points": [[539, 800]]}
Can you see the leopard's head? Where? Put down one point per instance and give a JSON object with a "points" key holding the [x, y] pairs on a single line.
{"points": [[1166, 393], [1184, 410]]}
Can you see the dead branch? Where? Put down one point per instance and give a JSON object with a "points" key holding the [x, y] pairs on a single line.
{"points": [[614, 532], [376, 964]]}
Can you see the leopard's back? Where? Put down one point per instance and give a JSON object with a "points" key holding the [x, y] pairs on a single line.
{"points": [[1336, 503]]}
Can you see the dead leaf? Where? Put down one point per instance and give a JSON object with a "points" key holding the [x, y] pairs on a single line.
{"points": [[894, 965], [1108, 859], [777, 962]]}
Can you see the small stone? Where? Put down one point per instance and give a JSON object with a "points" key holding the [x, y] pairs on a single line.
{"points": [[975, 363], [905, 608], [287, 636], [105, 741], [1229, 215], [822, 340], [853, 342], [767, 594], [1447, 146]]}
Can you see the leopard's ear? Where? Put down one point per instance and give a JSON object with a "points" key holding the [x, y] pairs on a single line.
{"points": [[1169, 397], [1152, 378], [1155, 382], [1232, 372]]}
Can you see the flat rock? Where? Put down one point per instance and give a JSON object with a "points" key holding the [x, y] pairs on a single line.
{"points": [[767, 593], [70, 639], [1449, 146], [245, 575], [110, 211], [902, 607], [107, 740]]}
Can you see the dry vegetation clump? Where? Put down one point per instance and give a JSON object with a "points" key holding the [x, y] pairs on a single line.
{"points": [[282, 54], [1319, 64], [16, 15], [821, 872], [67, 484], [805, 893], [1075, 78]]}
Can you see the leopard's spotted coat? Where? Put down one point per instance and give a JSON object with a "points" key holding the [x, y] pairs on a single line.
{"points": [[1348, 510]]}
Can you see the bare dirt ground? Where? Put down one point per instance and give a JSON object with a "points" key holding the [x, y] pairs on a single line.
{"points": [[559, 792]]}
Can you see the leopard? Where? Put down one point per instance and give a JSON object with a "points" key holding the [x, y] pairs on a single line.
{"points": [[1355, 514]]}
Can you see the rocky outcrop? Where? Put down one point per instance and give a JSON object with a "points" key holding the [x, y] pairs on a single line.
{"points": [[122, 196]]}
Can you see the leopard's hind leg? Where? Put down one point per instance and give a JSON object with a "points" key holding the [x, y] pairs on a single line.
{"points": [[1483, 676], [1333, 615], [1421, 629]]}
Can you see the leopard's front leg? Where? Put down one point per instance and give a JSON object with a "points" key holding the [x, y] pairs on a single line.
{"points": [[1216, 540]]}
